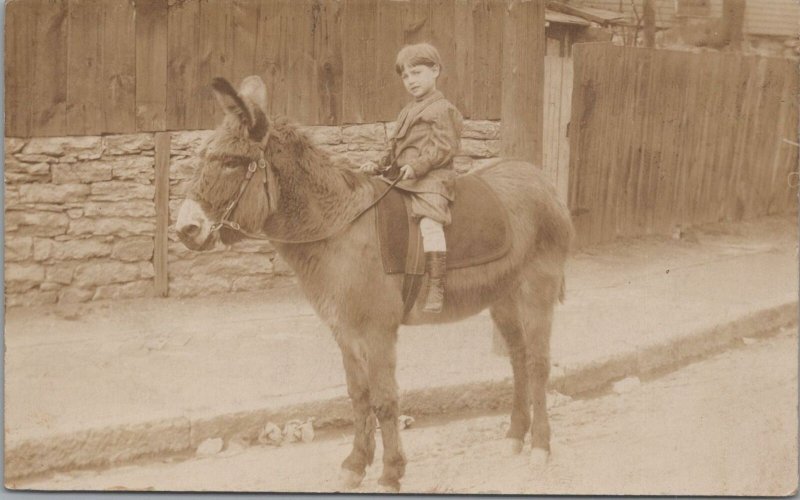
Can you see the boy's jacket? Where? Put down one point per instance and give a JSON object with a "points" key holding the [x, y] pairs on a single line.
{"points": [[427, 137]]}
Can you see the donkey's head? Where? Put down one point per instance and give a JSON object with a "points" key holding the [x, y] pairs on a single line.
{"points": [[223, 163]]}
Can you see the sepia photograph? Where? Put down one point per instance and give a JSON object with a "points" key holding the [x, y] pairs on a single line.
{"points": [[470, 247]]}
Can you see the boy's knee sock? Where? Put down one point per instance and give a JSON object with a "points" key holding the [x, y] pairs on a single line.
{"points": [[432, 235]]}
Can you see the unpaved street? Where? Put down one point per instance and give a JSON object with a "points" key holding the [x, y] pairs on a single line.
{"points": [[726, 425]]}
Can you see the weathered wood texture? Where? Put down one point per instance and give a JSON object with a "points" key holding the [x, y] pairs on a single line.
{"points": [[523, 81], [557, 107], [110, 66], [665, 138]]}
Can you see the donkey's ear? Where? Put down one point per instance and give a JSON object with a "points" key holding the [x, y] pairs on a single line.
{"points": [[230, 101], [254, 89]]}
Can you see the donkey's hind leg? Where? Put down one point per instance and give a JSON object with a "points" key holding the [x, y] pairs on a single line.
{"points": [[538, 295], [363, 453], [505, 315]]}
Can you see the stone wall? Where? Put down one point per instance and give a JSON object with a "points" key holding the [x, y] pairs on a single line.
{"points": [[80, 217]]}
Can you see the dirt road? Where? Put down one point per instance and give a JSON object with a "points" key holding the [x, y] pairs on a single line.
{"points": [[726, 425]]}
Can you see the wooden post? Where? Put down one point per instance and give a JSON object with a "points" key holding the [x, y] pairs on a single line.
{"points": [[733, 23], [161, 242], [649, 18], [522, 100]]}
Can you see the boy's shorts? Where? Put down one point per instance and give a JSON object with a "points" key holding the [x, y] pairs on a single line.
{"points": [[431, 205]]}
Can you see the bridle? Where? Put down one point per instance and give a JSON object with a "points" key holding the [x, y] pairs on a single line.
{"points": [[263, 165]]}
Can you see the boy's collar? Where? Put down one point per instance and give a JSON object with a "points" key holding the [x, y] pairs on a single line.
{"points": [[412, 111]]}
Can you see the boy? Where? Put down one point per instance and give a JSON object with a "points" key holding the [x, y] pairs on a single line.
{"points": [[425, 140]]}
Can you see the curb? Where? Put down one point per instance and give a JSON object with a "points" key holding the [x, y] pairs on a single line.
{"points": [[119, 444]]}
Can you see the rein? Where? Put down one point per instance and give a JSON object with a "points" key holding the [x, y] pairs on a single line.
{"points": [[262, 165]]}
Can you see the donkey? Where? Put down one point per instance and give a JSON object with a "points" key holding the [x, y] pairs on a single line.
{"points": [[311, 208]]}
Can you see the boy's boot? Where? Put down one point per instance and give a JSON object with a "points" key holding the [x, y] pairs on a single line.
{"points": [[436, 265]]}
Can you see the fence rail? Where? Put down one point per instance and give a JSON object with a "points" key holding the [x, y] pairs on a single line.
{"points": [[663, 138], [78, 67]]}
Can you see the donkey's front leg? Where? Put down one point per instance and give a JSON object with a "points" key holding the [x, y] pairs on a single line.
{"points": [[355, 367], [382, 360]]}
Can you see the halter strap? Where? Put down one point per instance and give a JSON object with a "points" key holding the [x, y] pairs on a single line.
{"points": [[264, 166]]}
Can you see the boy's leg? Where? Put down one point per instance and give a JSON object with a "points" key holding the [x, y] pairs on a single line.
{"points": [[435, 247]]}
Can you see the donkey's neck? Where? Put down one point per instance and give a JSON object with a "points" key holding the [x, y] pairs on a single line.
{"points": [[315, 196]]}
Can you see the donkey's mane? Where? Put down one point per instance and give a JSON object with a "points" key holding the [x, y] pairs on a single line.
{"points": [[309, 156]]}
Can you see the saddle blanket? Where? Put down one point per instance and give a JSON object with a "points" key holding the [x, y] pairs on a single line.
{"points": [[479, 231]]}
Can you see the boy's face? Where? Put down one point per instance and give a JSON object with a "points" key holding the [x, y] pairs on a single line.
{"points": [[420, 80]]}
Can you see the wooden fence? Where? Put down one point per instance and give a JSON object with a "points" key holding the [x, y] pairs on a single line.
{"points": [[664, 138], [85, 67]]}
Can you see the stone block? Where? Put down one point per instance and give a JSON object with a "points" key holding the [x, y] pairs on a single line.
{"points": [[249, 283], [59, 146], [121, 191], [253, 246], [60, 272], [41, 169], [481, 129], [22, 277], [390, 128], [323, 134], [34, 158], [479, 149], [191, 141], [73, 295], [105, 273], [183, 168], [138, 208], [36, 223], [18, 248], [81, 173], [462, 164], [53, 193], [141, 169], [128, 143], [189, 286], [31, 298], [133, 249], [13, 145], [134, 289], [70, 250], [74, 213], [146, 270], [112, 225], [223, 264], [367, 133], [280, 267], [354, 159]]}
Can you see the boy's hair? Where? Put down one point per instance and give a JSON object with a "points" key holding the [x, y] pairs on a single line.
{"points": [[414, 55]]}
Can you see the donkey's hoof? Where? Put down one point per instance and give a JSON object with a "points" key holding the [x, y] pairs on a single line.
{"points": [[350, 480], [512, 446], [388, 488], [539, 457]]}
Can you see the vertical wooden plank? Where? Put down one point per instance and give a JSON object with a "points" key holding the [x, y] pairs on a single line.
{"points": [[183, 107], [488, 56], [269, 61], [245, 32], [301, 22], [462, 22], [328, 50], [358, 43], [567, 77], [84, 65], [523, 81], [215, 57], [151, 65], [391, 25], [442, 36], [49, 83], [161, 242], [119, 66], [20, 28]]}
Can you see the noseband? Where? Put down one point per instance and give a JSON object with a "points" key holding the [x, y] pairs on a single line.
{"points": [[263, 165]]}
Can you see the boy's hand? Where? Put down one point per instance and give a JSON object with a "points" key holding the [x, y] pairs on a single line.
{"points": [[407, 172], [369, 167]]}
